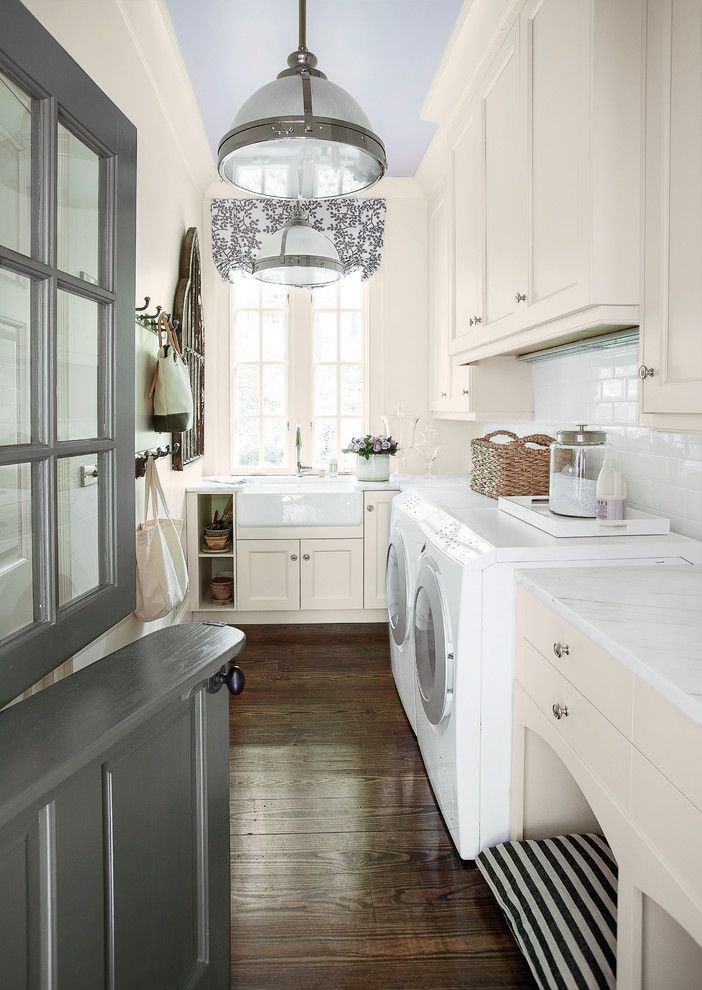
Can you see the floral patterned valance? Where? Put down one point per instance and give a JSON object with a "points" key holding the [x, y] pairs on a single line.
{"points": [[356, 226]]}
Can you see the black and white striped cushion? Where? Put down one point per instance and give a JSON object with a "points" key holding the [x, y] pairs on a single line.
{"points": [[560, 898]]}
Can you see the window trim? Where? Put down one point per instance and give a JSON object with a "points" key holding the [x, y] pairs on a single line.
{"points": [[62, 91]]}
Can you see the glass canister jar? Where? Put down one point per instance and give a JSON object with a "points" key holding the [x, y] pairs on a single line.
{"points": [[576, 459]]}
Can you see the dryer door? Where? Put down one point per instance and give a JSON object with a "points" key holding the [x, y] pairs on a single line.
{"points": [[396, 590], [432, 646]]}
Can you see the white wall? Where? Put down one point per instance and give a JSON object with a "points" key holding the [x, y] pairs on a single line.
{"points": [[129, 49]]}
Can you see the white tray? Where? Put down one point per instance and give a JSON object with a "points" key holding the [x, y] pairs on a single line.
{"points": [[536, 512]]}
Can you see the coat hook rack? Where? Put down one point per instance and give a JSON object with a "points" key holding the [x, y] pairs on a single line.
{"points": [[149, 320], [142, 456]]}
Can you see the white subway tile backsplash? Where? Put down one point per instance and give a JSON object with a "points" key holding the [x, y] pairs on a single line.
{"points": [[601, 388]]}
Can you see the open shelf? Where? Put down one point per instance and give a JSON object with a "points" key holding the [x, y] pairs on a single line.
{"points": [[224, 553]]}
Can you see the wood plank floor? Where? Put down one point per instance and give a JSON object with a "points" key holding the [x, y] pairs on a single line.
{"points": [[343, 873]]}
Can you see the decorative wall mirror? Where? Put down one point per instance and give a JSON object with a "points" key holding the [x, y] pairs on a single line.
{"points": [[187, 310]]}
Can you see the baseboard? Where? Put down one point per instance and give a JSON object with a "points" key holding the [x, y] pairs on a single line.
{"points": [[234, 618]]}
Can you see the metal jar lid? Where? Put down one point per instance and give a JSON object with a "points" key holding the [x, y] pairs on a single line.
{"points": [[581, 436]]}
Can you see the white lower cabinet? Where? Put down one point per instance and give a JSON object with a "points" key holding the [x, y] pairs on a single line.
{"points": [[376, 537], [331, 574], [268, 575]]}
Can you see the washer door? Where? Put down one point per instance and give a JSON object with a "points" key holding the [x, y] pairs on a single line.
{"points": [[432, 646], [396, 588]]}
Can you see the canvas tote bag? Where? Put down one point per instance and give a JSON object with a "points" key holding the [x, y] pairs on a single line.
{"points": [[162, 573], [170, 385]]}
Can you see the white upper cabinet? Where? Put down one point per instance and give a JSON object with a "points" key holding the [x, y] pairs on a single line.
{"points": [[467, 183], [672, 267], [439, 238]]}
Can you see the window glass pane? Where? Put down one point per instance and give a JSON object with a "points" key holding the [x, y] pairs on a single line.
{"points": [[351, 336], [273, 332], [15, 338], [15, 167], [350, 292], [247, 443], [78, 528], [274, 441], [273, 296], [349, 428], [16, 578], [78, 207], [247, 336], [351, 390], [325, 390], [325, 444], [274, 390], [276, 181], [247, 390], [325, 336], [324, 297], [246, 292], [76, 367]]}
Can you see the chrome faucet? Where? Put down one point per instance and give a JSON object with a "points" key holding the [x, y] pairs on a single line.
{"points": [[300, 468]]}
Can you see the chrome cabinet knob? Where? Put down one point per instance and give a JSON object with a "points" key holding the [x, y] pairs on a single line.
{"points": [[478, 319], [520, 297], [560, 711], [471, 321], [645, 372], [370, 508], [293, 556], [561, 650], [466, 391], [305, 556], [443, 395]]}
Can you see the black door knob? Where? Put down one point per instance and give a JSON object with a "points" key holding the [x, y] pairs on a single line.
{"points": [[235, 680]]}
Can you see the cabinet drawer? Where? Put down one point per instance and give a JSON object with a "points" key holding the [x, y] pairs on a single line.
{"points": [[671, 823], [669, 739], [606, 682], [595, 740]]}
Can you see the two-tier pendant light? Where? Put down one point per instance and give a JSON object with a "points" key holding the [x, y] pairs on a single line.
{"points": [[300, 137]]}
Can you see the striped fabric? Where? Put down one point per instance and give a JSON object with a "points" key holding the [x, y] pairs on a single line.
{"points": [[560, 899]]}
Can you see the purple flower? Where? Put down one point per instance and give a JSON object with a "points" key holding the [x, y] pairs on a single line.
{"points": [[385, 445]]}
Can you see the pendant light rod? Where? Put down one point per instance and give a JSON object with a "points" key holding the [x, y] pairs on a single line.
{"points": [[303, 25]]}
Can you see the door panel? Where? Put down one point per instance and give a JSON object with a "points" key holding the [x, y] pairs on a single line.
{"points": [[556, 85], [331, 575], [467, 169], [440, 296], [503, 192], [672, 302], [268, 575], [376, 537]]}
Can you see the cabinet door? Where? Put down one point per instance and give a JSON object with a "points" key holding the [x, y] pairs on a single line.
{"points": [[503, 194], [555, 87], [376, 537], [467, 178], [268, 575], [331, 574], [672, 289], [440, 297]]}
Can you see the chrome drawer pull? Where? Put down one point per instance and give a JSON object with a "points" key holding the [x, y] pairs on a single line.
{"points": [[560, 711], [561, 650]]}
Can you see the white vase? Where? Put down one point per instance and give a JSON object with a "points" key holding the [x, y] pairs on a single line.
{"points": [[374, 468]]}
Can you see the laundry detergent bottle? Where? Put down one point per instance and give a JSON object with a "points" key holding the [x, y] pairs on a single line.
{"points": [[611, 491]]}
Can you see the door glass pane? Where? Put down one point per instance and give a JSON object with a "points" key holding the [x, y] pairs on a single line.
{"points": [[78, 528], [15, 298], [77, 367], [78, 207], [424, 643], [15, 167], [16, 577]]}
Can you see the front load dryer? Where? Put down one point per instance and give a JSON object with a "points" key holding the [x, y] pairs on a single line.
{"points": [[464, 619]]}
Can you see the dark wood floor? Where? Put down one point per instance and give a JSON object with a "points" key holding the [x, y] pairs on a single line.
{"points": [[343, 874]]}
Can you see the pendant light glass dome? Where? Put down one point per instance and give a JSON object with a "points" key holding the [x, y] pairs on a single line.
{"points": [[298, 254], [301, 136]]}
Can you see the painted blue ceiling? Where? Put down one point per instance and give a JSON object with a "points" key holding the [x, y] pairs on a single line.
{"points": [[384, 52]]}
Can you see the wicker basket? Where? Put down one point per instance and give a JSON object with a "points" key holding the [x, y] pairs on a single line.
{"points": [[501, 469]]}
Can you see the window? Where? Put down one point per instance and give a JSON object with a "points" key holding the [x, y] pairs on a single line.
{"points": [[66, 350], [298, 357]]}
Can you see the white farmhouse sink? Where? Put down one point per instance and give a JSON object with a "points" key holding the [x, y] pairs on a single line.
{"points": [[298, 502]]}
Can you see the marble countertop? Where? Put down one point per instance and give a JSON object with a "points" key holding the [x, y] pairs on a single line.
{"points": [[396, 483], [649, 618]]}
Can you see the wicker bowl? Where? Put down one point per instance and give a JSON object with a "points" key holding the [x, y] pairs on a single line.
{"points": [[513, 468], [217, 539], [222, 586]]}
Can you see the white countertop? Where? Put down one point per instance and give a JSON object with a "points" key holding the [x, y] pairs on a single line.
{"points": [[649, 618], [396, 483]]}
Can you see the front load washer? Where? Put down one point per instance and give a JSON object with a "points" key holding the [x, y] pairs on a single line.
{"points": [[406, 540], [464, 619]]}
